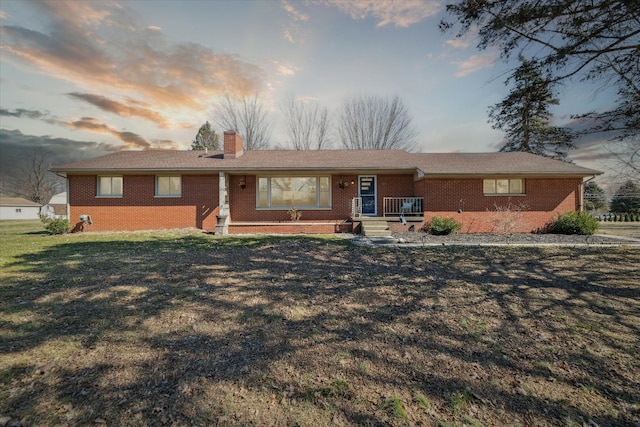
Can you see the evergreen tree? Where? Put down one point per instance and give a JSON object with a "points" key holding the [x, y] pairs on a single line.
{"points": [[594, 197], [524, 115], [597, 40], [627, 198], [206, 139]]}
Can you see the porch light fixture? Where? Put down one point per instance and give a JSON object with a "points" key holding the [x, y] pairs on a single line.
{"points": [[344, 184], [243, 182]]}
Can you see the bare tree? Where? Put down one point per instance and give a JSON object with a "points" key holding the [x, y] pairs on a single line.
{"points": [[307, 125], [247, 116], [33, 181], [626, 154], [375, 123]]}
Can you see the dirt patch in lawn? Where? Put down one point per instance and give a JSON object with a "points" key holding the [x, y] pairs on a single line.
{"points": [[190, 329]]}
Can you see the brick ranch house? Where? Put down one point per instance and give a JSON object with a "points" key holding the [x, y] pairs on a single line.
{"points": [[232, 191]]}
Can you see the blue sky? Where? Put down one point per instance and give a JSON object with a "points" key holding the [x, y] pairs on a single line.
{"points": [[87, 78]]}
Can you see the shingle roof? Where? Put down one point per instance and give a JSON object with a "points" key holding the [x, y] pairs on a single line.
{"points": [[17, 201], [60, 199], [250, 160], [352, 160], [496, 163]]}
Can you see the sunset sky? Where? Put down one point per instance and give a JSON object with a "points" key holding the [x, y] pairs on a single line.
{"points": [[85, 78]]}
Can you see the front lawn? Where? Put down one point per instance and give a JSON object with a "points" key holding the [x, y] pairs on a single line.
{"points": [[185, 328]]}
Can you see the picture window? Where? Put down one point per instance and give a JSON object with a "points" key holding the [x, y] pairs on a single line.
{"points": [[302, 192]]}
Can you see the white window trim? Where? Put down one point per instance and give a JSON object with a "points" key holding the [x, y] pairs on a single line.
{"points": [[99, 194], [523, 184], [284, 208], [167, 196]]}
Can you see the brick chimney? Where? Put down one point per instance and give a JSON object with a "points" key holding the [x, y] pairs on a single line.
{"points": [[232, 145]]}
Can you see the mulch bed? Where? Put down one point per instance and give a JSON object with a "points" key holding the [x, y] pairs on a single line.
{"points": [[514, 239]]}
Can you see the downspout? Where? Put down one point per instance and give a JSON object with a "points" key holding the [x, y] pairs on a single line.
{"points": [[222, 225], [68, 207], [66, 185], [581, 204]]}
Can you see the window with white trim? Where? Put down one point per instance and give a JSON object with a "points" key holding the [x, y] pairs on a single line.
{"points": [[302, 192], [168, 186], [500, 186], [110, 186]]}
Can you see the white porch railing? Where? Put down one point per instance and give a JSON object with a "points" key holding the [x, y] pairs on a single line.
{"points": [[403, 206], [356, 207]]}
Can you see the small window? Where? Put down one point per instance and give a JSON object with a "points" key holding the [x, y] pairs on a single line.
{"points": [[110, 186], [168, 186], [503, 186], [18, 210]]}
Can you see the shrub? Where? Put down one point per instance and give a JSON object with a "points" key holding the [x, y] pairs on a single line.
{"points": [[56, 226], [442, 226], [506, 219], [574, 223]]}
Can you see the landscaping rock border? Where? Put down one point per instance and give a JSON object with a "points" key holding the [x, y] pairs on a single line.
{"points": [[512, 239]]}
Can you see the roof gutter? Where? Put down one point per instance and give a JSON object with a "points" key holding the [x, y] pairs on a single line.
{"points": [[581, 203]]}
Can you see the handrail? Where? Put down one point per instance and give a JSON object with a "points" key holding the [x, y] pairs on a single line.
{"points": [[356, 207], [402, 206]]}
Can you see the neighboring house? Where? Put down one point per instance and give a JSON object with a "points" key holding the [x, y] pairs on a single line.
{"points": [[18, 208], [57, 207], [232, 191]]}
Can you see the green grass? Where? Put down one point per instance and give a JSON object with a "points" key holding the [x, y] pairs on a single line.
{"points": [[422, 400], [458, 400], [475, 328], [469, 420], [395, 408], [20, 238]]}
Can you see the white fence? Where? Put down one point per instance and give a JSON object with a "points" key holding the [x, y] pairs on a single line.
{"points": [[403, 206]]}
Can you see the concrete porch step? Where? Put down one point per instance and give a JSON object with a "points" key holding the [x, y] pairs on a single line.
{"points": [[382, 240], [375, 224], [376, 229], [378, 233]]}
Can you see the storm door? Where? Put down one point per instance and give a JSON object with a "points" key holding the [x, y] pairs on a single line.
{"points": [[367, 193]]}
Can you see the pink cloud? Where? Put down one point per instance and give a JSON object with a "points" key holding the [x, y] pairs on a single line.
{"points": [[98, 46], [130, 139], [474, 63], [398, 13]]}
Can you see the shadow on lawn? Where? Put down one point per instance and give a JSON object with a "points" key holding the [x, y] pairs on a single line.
{"points": [[304, 331]]}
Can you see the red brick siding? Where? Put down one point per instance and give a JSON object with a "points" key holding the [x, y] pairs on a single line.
{"points": [[290, 228], [393, 186], [243, 201], [139, 209], [545, 198]]}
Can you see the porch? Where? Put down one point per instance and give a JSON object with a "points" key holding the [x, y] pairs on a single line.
{"points": [[398, 213], [400, 207]]}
